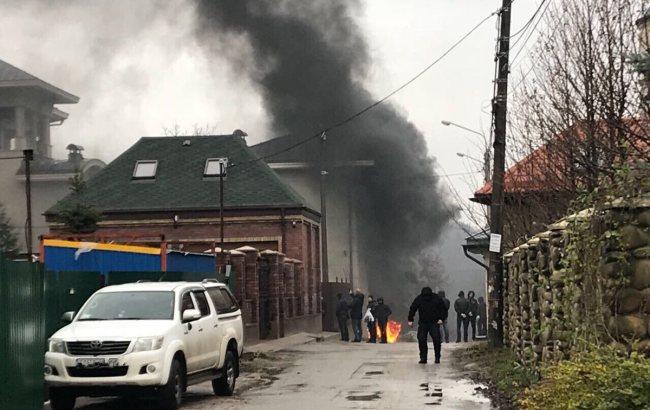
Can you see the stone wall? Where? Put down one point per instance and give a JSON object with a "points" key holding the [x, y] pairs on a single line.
{"points": [[545, 301]]}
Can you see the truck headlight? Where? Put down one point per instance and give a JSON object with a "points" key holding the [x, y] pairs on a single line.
{"points": [[56, 346], [144, 344]]}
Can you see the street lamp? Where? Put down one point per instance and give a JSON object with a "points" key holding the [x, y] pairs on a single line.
{"points": [[460, 154], [486, 153]]}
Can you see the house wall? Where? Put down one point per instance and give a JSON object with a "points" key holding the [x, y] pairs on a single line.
{"points": [[306, 182], [44, 195]]}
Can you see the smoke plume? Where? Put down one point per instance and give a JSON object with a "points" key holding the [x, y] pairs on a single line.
{"points": [[309, 60]]}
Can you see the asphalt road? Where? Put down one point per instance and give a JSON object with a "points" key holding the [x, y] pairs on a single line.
{"points": [[337, 375]]}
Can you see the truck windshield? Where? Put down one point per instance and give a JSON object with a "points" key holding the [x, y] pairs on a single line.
{"points": [[157, 305]]}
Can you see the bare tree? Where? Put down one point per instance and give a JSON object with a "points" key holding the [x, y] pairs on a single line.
{"points": [[580, 117], [175, 130]]}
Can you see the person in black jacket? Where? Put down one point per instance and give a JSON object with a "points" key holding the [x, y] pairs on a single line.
{"points": [[461, 306], [473, 312], [356, 313], [382, 312], [342, 316], [444, 328], [431, 314]]}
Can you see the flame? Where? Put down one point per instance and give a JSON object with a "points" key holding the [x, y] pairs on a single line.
{"points": [[392, 331]]}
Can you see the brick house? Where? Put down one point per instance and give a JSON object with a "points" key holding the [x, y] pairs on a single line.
{"points": [[166, 190]]}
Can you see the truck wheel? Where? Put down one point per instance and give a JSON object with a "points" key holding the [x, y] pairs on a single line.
{"points": [[61, 399], [171, 394], [225, 385]]}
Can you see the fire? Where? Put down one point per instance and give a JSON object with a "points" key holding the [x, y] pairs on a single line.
{"points": [[392, 331]]}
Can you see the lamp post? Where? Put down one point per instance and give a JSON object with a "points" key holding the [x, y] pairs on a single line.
{"points": [[487, 157]]}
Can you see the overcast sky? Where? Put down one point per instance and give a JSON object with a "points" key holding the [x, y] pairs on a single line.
{"points": [[137, 68]]}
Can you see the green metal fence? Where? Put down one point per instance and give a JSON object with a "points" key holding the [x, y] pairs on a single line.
{"points": [[66, 291], [22, 335]]}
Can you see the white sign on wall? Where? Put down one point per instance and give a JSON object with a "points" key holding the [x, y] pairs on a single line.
{"points": [[495, 242]]}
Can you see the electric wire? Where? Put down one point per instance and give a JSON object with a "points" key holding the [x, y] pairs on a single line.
{"points": [[376, 103]]}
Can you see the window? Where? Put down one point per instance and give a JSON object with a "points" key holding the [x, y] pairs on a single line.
{"points": [[186, 302], [145, 170], [230, 299], [222, 300], [201, 300], [213, 167], [129, 306]]}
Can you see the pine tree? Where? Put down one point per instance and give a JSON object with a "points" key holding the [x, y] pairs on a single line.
{"points": [[8, 240], [77, 215]]}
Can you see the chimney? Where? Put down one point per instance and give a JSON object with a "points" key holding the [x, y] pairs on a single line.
{"points": [[74, 154]]}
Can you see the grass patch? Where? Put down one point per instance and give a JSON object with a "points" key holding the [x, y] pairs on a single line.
{"points": [[597, 379]]}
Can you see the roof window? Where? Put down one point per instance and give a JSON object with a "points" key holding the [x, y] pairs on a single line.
{"points": [[145, 170], [215, 166]]}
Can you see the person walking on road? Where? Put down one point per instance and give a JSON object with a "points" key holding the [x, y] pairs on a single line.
{"points": [[356, 313], [382, 312], [444, 327], [432, 313], [481, 319], [370, 319], [342, 316], [461, 306], [473, 312]]}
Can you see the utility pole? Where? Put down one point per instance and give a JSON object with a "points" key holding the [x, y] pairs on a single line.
{"points": [[28, 156], [499, 111], [323, 207], [222, 171]]}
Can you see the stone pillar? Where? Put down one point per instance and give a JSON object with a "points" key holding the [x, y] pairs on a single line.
{"points": [[250, 279], [289, 287], [276, 290]]}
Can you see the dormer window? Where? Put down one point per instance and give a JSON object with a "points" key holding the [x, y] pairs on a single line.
{"points": [[215, 166], [145, 170]]}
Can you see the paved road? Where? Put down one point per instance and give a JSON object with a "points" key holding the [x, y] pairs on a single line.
{"points": [[336, 375]]}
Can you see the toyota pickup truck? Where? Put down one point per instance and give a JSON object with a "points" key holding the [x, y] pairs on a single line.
{"points": [[153, 338]]}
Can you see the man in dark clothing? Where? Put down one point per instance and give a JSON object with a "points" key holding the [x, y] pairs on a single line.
{"points": [[431, 314], [372, 325], [342, 316], [356, 313], [461, 306], [482, 317], [444, 327], [473, 312], [382, 312]]}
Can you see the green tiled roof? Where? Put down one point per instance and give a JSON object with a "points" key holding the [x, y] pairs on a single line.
{"points": [[179, 183]]}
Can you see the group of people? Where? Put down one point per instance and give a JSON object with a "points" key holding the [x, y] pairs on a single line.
{"points": [[470, 312], [376, 315], [432, 310]]}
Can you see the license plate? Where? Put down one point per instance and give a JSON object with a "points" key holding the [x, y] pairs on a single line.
{"points": [[96, 362]]}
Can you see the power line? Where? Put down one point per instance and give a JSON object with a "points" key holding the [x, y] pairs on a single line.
{"points": [[376, 103], [525, 26], [523, 46]]}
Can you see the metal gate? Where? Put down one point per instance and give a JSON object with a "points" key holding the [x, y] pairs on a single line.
{"points": [[264, 271]]}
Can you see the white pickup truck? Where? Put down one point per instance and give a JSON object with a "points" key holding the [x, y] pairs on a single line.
{"points": [[153, 338]]}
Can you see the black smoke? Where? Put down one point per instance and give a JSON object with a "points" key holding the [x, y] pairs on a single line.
{"points": [[309, 60]]}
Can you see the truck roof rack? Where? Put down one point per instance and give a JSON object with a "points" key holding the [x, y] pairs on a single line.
{"points": [[142, 281], [210, 280]]}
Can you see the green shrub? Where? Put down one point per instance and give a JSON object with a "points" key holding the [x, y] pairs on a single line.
{"points": [[596, 379]]}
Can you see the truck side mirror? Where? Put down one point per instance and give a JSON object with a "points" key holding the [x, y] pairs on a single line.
{"points": [[190, 315], [67, 317]]}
